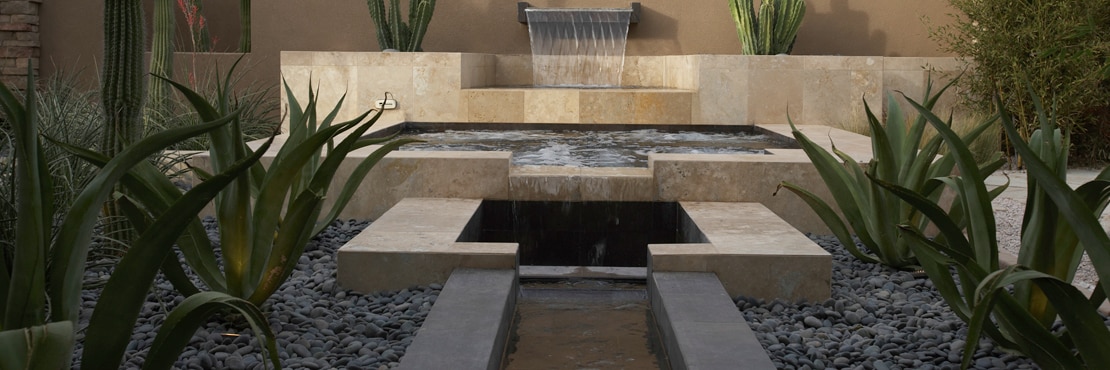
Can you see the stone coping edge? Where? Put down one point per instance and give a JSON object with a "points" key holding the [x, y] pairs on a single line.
{"points": [[700, 326], [469, 324]]}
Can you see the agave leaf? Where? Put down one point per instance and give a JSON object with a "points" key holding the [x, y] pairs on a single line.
{"points": [[40, 347], [276, 186], [1085, 326], [1016, 323], [1071, 206], [287, 245], [156, 192], [356, 179], [980, 215], [127, 287], [836, 178], [831, 219], [193, 313], [936, 266], [895, 131], [25, 295], [884, 147], [72, 243]]}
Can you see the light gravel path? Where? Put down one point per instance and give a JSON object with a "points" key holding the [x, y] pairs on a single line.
{"points": [[1009, 209]]}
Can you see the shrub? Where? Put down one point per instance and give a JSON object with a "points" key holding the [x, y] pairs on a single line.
{"points": [[1061, 46]]}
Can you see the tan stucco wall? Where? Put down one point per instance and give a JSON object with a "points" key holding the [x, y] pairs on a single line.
{"points": [[72, 29]]}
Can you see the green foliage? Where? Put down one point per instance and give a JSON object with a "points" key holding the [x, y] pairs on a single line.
{"points": [[1061, 46], [1018, 306], [267, 217], [41, 277], [244, 26], [775, 29], [65, 113], [255, 101], [393, 32], [900, 155], [161, 52]]}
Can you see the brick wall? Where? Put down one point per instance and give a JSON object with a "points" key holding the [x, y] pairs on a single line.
{"points": [[19, 40]]}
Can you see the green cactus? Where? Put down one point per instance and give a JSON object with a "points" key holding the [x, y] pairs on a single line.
{"points": [[122, 93], [161, 52], [775, 29], [122, 87], [392, 31], [244, 26]]}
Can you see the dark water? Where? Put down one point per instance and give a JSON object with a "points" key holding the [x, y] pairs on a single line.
{"points": [[585, 324], [626, 148]]}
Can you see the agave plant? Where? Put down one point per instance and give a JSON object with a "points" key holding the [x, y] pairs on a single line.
{"points": [[1018, 306], [899, 156], [266, 217], [40, 280]]}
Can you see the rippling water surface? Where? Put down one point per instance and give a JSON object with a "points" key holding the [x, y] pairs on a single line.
{"points": [[590, 148]]}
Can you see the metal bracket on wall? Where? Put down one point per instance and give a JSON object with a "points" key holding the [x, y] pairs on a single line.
{"points": [[521, 5]]}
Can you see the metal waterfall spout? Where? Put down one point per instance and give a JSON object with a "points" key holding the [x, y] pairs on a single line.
{"points": [[577, 47]]}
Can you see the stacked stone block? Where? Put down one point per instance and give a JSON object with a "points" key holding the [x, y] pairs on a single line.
{"points": [[19, 40]]}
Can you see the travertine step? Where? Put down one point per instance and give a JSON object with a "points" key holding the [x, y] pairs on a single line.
{"points": [[555, 105]]}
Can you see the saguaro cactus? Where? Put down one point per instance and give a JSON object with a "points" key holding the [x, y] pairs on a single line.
{"points": [[392, 31], [161, 52], [122, 91], [774, 31], [244, 26]]}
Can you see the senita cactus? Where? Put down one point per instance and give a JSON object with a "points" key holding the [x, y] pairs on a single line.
{"points": [[392, 31], [774, 31]]}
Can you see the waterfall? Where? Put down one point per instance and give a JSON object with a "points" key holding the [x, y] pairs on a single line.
{"points": [[578, 47]]}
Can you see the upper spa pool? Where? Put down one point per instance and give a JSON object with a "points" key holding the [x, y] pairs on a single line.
{"points": [[580, 145]]}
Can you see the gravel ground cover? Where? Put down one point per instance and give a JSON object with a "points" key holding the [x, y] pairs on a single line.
{"points": [[877, 318], [317, 324]]}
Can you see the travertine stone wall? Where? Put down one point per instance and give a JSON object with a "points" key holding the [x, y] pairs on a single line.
{"points": [[673, 89], [19, 40]]}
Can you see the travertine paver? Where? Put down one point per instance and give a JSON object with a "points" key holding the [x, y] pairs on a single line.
{"points": [[415, 243], [751, 250]]}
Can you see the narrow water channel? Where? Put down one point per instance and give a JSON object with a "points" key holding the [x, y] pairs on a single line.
{"points": [[584, 324]]}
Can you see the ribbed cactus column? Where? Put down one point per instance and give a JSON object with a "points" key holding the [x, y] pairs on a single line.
{"points": [[121, 91], [392, 31], [161, 52], [244, 26], [122, 79], [774, 31]]}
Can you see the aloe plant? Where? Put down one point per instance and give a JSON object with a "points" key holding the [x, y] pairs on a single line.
{"points": [[393, 32], [900, 155], [773, 31], [41, 291], [1017, 307]]}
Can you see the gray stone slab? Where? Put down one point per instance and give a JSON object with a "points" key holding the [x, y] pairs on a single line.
{"points": [[469, 323], [701, 327]]}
